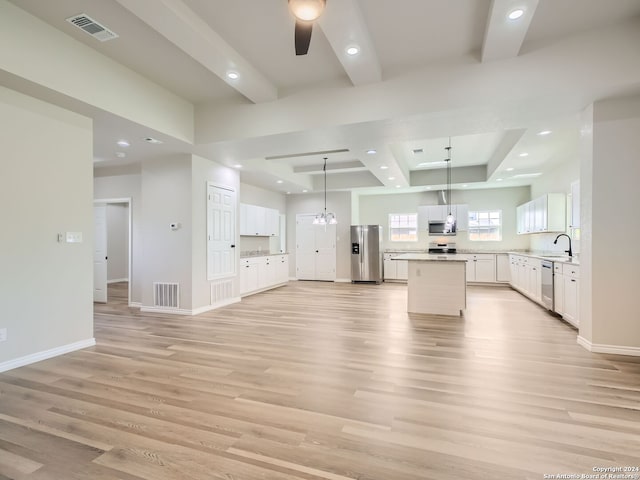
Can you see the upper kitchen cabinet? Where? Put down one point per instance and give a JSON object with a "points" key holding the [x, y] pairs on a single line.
{"points": [[543, 214], [575, 205], [438, 213], [257, 221]]}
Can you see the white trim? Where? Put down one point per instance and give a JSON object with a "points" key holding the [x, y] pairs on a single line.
{"points": [[342, 280], [189, 312], [128, 201], [53, 352], [612, 349], [118, 280], [135, 304]]}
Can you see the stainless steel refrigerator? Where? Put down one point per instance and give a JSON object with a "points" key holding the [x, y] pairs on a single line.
{"points": [[366, 253]]}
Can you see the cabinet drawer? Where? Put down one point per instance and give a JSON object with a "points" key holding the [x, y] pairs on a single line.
{"points": [[570, 270]]}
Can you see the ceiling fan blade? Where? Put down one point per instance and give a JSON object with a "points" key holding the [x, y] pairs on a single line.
{"points": [[303, 37]]}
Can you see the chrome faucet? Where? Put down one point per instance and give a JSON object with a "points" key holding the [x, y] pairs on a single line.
{"points": [[555, 242]]}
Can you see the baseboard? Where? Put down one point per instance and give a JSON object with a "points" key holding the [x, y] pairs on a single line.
{"points": [[135, 304], [612, 349], [39, 356], [342, 280], [208, 308], [190, 312], [118, 280]]}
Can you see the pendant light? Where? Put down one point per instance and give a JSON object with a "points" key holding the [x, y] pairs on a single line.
{"points": [[450, 218], [324, 218]]}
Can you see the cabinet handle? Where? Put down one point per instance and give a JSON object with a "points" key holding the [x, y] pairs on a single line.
{"points": [[573, 280]]}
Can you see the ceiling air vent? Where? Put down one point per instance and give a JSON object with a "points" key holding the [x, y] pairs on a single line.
{"points": [[93, 28]]}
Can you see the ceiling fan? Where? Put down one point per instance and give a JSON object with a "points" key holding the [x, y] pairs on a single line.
{"points": [[306, 12]]}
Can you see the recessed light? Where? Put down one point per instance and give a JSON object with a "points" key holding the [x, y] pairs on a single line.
{"points": [[397, 186], [371, 152], [498, 179], [510, 169], [544, 132], [305, 191], [524, 154], [465, 185], [288, 193], [353, 50], [279, 181], [515, 14], [237, 165], [383, 167], [428, 188], [155, 141], [232, 75], [121, 154], [392, 178], [122, 143]]}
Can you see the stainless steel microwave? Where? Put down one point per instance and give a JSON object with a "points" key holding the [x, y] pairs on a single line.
{"points": [[439, 228]]}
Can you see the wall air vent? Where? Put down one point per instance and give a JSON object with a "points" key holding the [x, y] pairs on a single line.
{"points": [[93, 28], [166, 295]]}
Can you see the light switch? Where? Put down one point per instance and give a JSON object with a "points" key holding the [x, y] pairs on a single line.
{"points": [[74, 237]]}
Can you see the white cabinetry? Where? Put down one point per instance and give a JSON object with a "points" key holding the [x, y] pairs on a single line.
{"points": [[526, 276], [481, 267], [262, 273], [566, 292], [543, 214], [503, 270], [438, 213], [259, 221], [395, 269]]}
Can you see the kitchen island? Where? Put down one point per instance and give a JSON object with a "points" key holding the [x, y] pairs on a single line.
{"points": [[437, 284]]}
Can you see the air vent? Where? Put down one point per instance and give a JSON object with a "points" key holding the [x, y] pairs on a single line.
{"points": [[166, 295], [417, 151], [93, 28]]}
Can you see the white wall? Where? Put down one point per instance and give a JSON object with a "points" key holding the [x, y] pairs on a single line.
{"points": [[337, 202], [126, 183], [609, 260], [117, 242], [46, 287], [375, 209], [166, 254]]}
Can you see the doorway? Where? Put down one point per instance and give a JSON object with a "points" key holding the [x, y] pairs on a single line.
{"points": [[113, 230]]}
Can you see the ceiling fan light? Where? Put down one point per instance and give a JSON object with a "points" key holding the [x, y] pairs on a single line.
{"points": [[306, 10]]}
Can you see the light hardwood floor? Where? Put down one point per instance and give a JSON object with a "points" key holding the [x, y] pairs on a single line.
{"points": [[323, 381]]}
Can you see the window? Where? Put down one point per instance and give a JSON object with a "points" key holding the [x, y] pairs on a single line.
{"points": [[403, 227], [485, 226]]}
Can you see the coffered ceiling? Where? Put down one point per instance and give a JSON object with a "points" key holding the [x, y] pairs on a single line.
{"points": [[429, 72]]}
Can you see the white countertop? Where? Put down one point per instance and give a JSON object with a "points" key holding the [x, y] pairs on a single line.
{"points": [[551, 258], [429, 257]]}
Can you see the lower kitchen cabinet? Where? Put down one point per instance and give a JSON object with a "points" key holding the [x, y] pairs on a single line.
{"points": [[526, 276], [481, 267], [395, 269], [262, 273], [567, 292], [503, 270]]}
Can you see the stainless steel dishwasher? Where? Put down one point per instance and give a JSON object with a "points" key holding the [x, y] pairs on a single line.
{"points": [[547, 284]]}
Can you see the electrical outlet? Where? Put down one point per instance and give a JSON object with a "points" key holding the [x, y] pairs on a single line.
{"points": [[3, 334], [74, 237]]}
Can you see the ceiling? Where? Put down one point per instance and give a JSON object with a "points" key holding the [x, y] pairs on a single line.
{"points": [[414, 83]]}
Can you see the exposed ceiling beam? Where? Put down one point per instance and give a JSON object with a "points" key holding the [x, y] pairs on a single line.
{"points": [[509, 140], [354, 165], [503, 36], [182, 26], [344, 26]]}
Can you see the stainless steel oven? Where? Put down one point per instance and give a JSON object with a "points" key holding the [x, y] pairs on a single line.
{"points": [[547, 284]]}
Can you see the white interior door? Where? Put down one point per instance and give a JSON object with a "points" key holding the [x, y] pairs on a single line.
{"points": [[326, 252], [315, 250], [221, 236], [100, 254]]}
